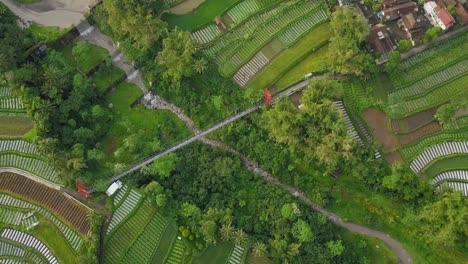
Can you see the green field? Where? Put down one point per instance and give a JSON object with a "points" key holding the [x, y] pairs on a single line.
{"points": [[106, 77], [165, 244], [88, 56], [374, 250], [205, 14], [47, 34], [291, 56], [215, 254], [312, 63], [458, 162], [15, 126]]}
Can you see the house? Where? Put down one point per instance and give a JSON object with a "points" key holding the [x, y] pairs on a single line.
{"points": [[381, 42], [397, 11], [413, 27], [462, 14], [439, 16], [114, 188]]}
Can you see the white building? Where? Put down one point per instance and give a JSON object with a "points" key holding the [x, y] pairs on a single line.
{"points": [[439, 17]]}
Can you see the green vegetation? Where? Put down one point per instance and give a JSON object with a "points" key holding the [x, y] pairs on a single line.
{"points": [[88, 56], [47, 34], [312, 63], [374, 250], [107, 76], [27, 1], [290, 57], [216, 254], [458, 162]]}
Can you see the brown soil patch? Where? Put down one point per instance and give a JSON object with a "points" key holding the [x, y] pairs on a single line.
{"points": [[185, 7], [394, 157], [72, 212], [15, 126], [413, 122], [296, 98], [426, 130], [380, 125], [228, 21]]}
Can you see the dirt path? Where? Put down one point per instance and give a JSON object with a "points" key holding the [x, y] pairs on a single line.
{"points": [[60, 13], [393, 244], [186, 7]]}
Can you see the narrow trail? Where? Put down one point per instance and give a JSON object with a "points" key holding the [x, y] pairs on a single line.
{"points": [[252, 166]]}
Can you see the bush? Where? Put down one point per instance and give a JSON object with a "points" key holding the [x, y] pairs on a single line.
{"points": [[404, 45]]}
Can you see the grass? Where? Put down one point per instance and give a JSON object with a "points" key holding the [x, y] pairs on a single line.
{"points": [[292, 55], [31, 135], [374, 249], [459, 162], [215, 254], [313, 62], [205, 14], [47, 34], [88, 56], [15, 126], [106, 76], [165, 244], [357, 204]]}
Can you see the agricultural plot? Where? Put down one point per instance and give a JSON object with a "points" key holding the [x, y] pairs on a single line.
{"points": [[124, 209], [75, 240], [298, 29], [241, 43], [18, 146], [431, 99], [118, 242], [455, 175], [152, 234], [410, 152], [29, 241], [206, 34], [32, 165], [430, 61], [430, 82], [18, 125], [246, 72], [177, 252], [73, 213], [10, 216], [244, 9], [457, 186], [236, 255], [437, 151], [9, 103], [10, 252]]}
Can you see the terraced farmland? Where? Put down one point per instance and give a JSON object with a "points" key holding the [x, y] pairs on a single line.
{"points": [[73, 213], [11, 251], [144, 236], [29, 241], [9, 103]]}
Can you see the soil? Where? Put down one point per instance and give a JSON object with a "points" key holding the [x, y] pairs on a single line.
{"points": [[414, 122], [296, 98], [53, 200], [394, 157], [185, 7], [379, 123], [426, 130]]}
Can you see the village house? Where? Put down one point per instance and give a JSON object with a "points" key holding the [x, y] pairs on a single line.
{"points": [[438, 16], [414, 27], [381, 42], [394, 9]]}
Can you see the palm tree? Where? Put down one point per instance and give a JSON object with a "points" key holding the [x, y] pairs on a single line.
{"points": [[200, 66], [240, 237], [259, 249], [227, 232]]}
